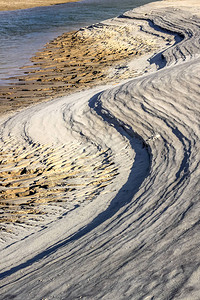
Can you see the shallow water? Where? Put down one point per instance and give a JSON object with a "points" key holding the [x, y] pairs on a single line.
{"points": [[23, 32]]}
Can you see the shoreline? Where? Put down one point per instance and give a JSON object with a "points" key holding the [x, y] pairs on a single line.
{"points": [[25, 4], [78, 60], [47, 77]]}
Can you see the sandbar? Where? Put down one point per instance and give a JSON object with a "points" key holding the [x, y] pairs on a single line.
{"points": [[24, 4]]}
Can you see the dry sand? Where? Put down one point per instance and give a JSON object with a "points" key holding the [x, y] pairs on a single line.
{"points": [[100, 188], [24, 4]]}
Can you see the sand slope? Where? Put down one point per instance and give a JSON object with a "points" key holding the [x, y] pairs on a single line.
{"points": [[132, 230]]}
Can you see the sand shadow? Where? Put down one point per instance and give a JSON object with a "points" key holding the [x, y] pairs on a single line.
{"points": [[124, 195], [159, 59]]}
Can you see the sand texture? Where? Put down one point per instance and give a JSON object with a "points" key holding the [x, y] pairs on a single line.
{"points": [[78, 60], [100, 187], [24, 4]]}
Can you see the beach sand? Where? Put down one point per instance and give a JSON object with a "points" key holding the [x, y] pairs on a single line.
{"points": [[88, 57], [100, 185], [24, 4]]}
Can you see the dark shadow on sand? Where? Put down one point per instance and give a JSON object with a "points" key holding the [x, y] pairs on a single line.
{"points": [[120, 200]]}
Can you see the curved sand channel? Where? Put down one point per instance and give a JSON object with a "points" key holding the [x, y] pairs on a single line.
{"points": [[111, 175]]}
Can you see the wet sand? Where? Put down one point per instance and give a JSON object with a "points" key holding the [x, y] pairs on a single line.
{"points": [[88, 57]]}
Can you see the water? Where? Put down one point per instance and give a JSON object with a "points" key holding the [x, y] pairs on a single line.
{"points": [[23, 32]]}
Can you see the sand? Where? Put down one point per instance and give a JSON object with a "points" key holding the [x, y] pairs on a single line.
{"points": [[24, 4], [100, 188], [84, 58]]}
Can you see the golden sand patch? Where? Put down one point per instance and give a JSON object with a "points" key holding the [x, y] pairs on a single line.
{"points": [[38, 176], [74, 61]]}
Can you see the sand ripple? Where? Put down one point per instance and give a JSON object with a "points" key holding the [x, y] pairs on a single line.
{"points": [[137, 236]]}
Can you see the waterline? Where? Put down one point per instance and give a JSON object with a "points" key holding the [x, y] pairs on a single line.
{"points": [[24, 32]]}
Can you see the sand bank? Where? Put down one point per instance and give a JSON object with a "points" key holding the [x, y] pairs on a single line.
{"points": [[100, 188], [24, 4], [97, 54]]}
